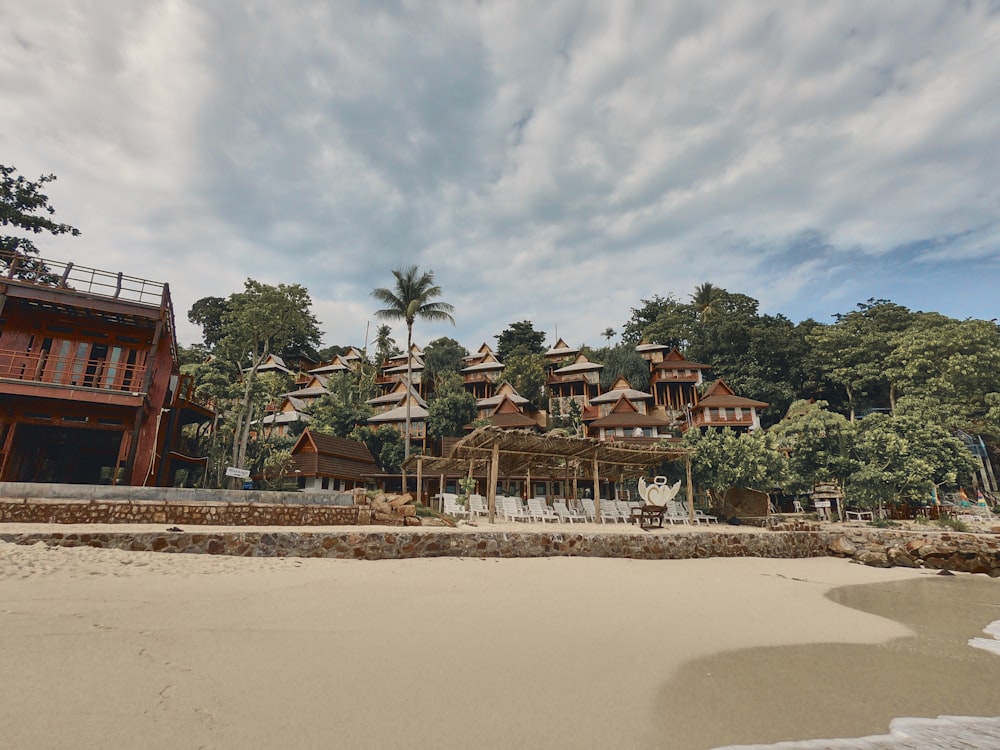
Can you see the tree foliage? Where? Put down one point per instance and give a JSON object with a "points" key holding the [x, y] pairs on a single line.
{"points": [[526, 374], [442, 357], [818, 444], [519, 339], [24, 206], [624, 360], [724, 459], [451, 408], [413, 296]]}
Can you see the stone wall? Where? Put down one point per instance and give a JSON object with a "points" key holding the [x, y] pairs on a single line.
{"points": [[53, 491], [159, 512], [966, 552]]}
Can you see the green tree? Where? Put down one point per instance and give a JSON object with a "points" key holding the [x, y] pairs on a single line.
{"points": [[707, 300], [208, 312], [519, 339], [23, 205], [259, 321], [661, 320], [332, 415], [414, 296], [852, 351], [624, 360], [385, 444], [818, 443], [608, 334], [904, 457], [385, 345], [526, 374], [724, 459], [443, 357], [451, 408]]}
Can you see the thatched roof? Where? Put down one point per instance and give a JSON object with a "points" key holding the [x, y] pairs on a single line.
{"points": [[520, 451]]}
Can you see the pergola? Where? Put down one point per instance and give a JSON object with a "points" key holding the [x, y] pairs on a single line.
{"points": [[511, 452]]}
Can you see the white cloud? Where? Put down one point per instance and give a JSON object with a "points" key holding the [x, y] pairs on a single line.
{"points": [[556, 163]]}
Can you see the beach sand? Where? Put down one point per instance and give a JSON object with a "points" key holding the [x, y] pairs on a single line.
{"points": [[102, 648]]}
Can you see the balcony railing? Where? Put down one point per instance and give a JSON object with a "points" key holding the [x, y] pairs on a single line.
{"points": [[76, 278], [52, 369]]}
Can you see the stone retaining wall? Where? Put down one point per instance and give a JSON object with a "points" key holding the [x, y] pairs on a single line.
{"points": [[121, 493], [964, 552], [194, 513]]}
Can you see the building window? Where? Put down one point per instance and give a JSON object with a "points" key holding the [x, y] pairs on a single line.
{"points": [[326, 483]]}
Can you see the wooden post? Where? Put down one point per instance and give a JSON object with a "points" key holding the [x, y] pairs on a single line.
{"points": [[528, 493], [690, 489], [491, 489], [597, 491], [420, 480]]}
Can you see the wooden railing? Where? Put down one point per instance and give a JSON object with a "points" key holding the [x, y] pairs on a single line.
{"points": [[82, 279], [48, 368]]}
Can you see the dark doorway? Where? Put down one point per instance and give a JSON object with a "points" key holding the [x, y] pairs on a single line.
{"points": [[72, 455]]}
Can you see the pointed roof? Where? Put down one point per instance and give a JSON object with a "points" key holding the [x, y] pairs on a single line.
{"points": [[418, 364], [488, 362], [675, 361], [352, 354], [580, 364], [398, 414], [721, 395], [504, 389], [508, 415], [624, 414], [645, 346], [561, 349], [319, 454], [272, 362], [396, 396], [481, 352], [335, 365], [620, 388]]}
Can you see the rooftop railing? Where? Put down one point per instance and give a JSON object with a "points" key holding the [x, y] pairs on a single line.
{"points": [[52, 273]]}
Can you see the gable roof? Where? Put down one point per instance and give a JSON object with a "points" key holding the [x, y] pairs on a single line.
{"points": [[674, 360], [561, 349], [620, 388], [721, 395], [319, 454], [624, 414], [417, 413], [508, 415], [397, 395], [580, 364]]}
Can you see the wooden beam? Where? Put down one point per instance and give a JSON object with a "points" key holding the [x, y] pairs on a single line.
{"points": [[690, 489], [597, 490], [491, 490]]}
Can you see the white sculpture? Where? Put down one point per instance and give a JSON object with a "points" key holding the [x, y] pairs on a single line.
{"points": [[658, 493]]}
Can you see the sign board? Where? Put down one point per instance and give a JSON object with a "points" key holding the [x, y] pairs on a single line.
{"points": [[821, 503], [232, 471]]}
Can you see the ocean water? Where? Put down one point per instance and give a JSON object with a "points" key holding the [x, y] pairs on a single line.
{"points": [[942, 733]]}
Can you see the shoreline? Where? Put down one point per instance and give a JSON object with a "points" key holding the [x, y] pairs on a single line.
{"points": [[119, 648]]}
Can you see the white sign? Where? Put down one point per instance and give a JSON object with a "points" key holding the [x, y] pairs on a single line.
{"points": [[232, 471]]}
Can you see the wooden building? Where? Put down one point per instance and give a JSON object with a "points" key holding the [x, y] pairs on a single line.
{"points": [[720, 407], [90, 390], [327, 462]]}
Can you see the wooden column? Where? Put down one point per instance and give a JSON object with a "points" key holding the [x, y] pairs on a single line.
{"points": [[491, 490], [597, 490], [420, 480], [527, 489], [690, 489]]}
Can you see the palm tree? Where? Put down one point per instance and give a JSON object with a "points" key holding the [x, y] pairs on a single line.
{"points": [[609, 333], [413, 297], [707, 300]]}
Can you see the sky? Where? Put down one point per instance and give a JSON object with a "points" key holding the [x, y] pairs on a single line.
{"points": [[555, 162]]}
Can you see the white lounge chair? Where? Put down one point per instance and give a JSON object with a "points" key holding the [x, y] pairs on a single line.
{"points": [[512, 509], [451, 507], [565, 514], [589, 512], [538, 510], [675, 513], [477, 506]]}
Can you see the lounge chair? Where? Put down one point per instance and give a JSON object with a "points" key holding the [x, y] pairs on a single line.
{"points": [[451, 507], [477, 506], [539, 511], [565, 514], [588, 509]]}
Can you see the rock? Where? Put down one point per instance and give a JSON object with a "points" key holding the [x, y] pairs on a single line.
{"points": [[842, 547], [873, 559], [899, 557], [400, 500]]}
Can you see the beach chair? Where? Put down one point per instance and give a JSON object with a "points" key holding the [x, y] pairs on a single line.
{"points": [[699, 516], [538, 510], [477, 506], [451, 507], [513, 510], [609, 513], [589, 512], [566, 515], [675, 514]]}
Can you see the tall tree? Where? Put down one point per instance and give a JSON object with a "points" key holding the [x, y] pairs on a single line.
{"points": [[624, 360], [451, 408], [519, 339], [608, 334], [385, 344], [442, 357], [208, 313], [25, 206], [707, 300], [259, 321], [414, 296]]}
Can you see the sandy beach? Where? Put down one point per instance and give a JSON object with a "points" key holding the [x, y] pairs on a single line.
{"points": [[102, 648]]}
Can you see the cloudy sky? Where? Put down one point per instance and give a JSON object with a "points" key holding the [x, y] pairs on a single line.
{"points": [[555, 161]]}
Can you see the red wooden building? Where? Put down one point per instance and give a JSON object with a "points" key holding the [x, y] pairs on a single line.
{"points": [[90, 390]]}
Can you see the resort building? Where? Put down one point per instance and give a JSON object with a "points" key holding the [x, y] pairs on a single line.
{"points": [[720, 407], [90, 389], [326, 462]]}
